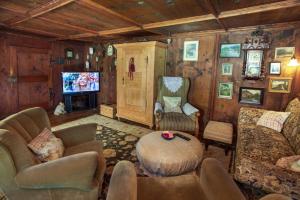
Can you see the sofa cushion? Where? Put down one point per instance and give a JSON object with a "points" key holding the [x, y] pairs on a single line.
{"points": [[291, 129], [84, 147], [47, 146], [273, 120]]}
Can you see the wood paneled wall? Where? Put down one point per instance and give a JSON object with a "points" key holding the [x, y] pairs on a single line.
{"points": [[205, 74], [8, 91]]}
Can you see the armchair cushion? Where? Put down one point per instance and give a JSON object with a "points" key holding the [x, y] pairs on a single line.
{"points": [[172, 104], [177, 121], [77, 134], [75, 171]]}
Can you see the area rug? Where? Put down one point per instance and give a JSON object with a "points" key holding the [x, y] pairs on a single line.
{"points": [[119, 140]]}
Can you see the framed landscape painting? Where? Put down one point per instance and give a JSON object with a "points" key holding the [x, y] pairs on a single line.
{"points": [[190, 52], [249, 95], [280, 84], [284, 52], [230, 50], [225, 90]]}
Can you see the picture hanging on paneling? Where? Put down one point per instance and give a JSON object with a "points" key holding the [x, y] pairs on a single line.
{"points": [[280, 84], [225, 90], [227, 69], [230, 50], [251, 95], [190, 52], [284, 52], [275, 68]]}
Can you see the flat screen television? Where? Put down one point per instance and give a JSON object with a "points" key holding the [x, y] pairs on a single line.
{"points": [[80, 82]]}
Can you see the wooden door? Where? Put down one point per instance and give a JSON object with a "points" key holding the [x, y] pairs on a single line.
{"points": [[33, 71], [132, 93]]}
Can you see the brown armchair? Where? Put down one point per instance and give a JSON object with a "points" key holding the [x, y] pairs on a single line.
{"points": [[214, 184], [77, 175], [188, 120]]}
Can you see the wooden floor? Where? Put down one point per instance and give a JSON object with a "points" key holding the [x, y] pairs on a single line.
{"points": [[57, 120]]}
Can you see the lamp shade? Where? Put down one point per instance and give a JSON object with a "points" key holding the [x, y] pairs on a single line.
{"points": [[293, 62]]}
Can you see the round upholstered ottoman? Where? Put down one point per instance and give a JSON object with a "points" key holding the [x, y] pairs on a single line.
{"points": [[162, 157]]}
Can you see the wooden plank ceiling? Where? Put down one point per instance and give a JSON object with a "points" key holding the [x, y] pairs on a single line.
{"points": [[113, 19]]}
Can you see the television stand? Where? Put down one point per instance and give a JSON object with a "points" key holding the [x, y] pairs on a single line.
{"points": [[80, 101]]}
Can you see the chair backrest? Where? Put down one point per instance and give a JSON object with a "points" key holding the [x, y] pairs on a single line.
{"points": [[173, 87], [27, 123]]}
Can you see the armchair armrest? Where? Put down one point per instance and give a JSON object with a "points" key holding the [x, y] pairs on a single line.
{"points": [[250, 115], [77, 134], [217, 183], [76, 171], [188, 109], [158, 108], [123, 183]]}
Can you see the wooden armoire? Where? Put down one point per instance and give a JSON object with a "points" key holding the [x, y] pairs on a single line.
{"points": [[137, 85]]}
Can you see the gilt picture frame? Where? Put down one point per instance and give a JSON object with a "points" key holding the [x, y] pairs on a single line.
{"points": [[280, 84]]}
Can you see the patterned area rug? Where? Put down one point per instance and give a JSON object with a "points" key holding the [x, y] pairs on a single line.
{"points": [[119, 140]]}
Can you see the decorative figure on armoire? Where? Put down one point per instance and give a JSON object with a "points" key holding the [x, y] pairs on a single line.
{"points": [[131, 68]]}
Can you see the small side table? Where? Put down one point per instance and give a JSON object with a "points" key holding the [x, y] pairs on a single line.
{"points": [[219, 134]]}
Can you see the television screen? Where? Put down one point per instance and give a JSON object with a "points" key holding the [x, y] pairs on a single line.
{"points": [[77, 82]]}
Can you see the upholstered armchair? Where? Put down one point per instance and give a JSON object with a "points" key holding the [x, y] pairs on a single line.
{"points": [[214, 183], [77, 175], [188, 120]]}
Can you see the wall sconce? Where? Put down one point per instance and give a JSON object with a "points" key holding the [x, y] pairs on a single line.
{"points": [[293, 62]]}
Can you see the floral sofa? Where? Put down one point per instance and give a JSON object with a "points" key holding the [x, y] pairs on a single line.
{"points": [[259, 148]]}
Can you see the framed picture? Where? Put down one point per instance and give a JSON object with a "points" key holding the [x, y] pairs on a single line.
{"points": [[227, 69], [190, 52], [284, 52], [280, 84], [230, 50], [69, 53], [275, 68], [249, 95], [253, 63], [225, 90]]}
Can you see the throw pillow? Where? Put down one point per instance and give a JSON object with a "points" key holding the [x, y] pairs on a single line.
{"points": [[172, 104], [46, 146], [273, 120], [290, 163]]}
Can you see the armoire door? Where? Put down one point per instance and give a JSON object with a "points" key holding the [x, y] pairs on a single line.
{"points": [[132, 91], [32, 66]]}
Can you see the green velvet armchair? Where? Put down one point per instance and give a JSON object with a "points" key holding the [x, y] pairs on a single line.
{"points": [[188, 120], [77, 175]]}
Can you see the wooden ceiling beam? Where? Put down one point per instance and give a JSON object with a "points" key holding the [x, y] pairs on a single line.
{"points": [[212, 9], [40, 10], [260, 8], [20, 13]]}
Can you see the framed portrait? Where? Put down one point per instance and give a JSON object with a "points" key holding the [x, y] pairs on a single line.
{"points": [[227, 69], [225, 90], [284, 52], [230, 50], [280, 84], [253, 63], [190, 52], [275, 68], [250, 95]]}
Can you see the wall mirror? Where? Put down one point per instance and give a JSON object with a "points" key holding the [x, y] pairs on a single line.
{"points": [[254, 47]]}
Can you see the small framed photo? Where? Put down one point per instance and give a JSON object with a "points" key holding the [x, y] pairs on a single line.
{"points": [[227, 69], [275, 68], [280, 84], [69, 53], [230, 50], [190, 52], [250, 95], [284, 52], [225, 90]]}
